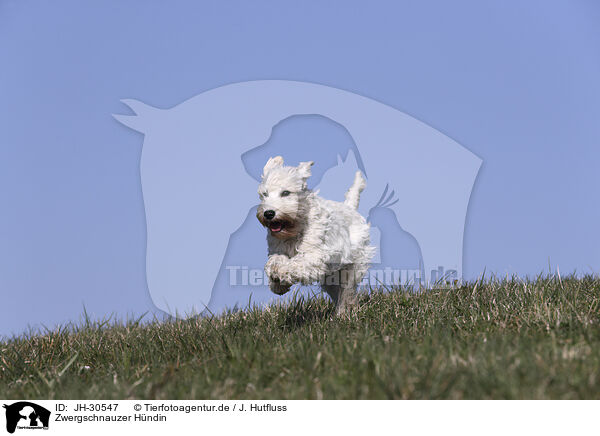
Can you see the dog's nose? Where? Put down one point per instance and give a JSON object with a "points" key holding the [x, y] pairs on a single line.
{"points": [[269, 214]]}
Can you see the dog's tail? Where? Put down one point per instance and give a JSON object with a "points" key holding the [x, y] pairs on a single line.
{"points": [[353, 194]]}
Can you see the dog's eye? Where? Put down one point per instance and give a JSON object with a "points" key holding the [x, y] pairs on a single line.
{"points": [[285, 193], [264, 194]]}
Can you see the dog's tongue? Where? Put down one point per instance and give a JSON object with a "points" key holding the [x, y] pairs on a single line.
{"points": [[276, 227]]}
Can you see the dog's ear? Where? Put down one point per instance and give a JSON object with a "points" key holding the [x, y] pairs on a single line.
{"points": [[273, 162], [304, 169]]}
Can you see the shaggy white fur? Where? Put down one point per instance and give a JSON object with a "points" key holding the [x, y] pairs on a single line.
{"points": [[311, 239]]}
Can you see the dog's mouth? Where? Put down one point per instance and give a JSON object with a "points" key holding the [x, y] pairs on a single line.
{"points": [[276, 226], [281, 226]]}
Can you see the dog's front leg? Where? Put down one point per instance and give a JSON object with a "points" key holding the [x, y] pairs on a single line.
{"points": [[301, 268], [272, 268], [274, 265]]}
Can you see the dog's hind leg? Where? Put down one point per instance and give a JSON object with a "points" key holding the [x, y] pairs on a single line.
{"points": [[341, 287], [332, 287], [332, 290], [348, 296]]}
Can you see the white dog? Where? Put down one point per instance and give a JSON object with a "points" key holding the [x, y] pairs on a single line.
{"points": [[311, 239]]}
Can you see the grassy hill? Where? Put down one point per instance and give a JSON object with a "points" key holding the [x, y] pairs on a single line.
{"points": [[501, 339]]}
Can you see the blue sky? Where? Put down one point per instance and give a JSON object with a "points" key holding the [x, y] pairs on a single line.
{"points": [[514, 82]]}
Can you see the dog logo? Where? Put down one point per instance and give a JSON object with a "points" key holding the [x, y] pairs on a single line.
{"points": [[199, 169], [26, 415]]}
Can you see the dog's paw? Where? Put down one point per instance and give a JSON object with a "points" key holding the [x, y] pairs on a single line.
{"points": [[279, 287], [274, 265]]}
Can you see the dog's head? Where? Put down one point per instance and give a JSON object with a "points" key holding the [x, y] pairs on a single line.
{"points": [[283, 194]]}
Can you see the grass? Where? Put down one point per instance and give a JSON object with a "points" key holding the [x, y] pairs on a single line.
{"points": [[499, 339]]}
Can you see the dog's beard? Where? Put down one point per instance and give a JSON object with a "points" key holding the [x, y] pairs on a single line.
{"points": [[282, 226]]}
